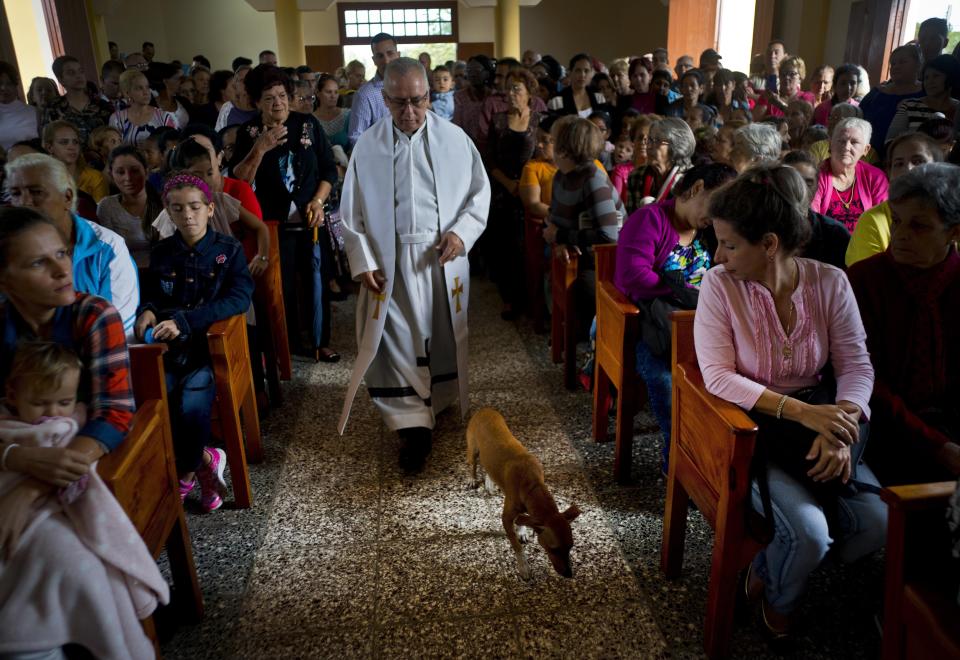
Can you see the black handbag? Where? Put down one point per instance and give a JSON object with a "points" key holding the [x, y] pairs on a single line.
{"points": [[785, 444], [655, 313]]}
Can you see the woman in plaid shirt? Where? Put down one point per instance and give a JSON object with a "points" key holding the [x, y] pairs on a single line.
{"points": [[36, 280]]}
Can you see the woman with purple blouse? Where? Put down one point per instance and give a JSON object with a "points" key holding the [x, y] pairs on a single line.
{"points": [[768, 326], [659, 240]]}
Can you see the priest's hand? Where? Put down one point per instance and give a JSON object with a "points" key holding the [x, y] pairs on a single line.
{"points": [[450, 246], [373, 280]]}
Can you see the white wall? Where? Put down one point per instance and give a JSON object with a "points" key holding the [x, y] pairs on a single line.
{"points": [[837, 33], [180, 29]]}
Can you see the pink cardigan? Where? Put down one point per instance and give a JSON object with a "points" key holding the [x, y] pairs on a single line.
{"points": [[739, 338], [871, 182]]}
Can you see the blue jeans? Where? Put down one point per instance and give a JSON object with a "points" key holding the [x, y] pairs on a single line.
{"points": [[802, 538], [655, 372], [191, 402]]}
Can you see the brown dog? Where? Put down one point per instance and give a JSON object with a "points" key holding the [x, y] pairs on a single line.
{"points": [[527, 502]]}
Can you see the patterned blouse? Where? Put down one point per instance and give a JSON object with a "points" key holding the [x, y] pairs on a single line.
{"points": [[692, 260], [135, 135]]}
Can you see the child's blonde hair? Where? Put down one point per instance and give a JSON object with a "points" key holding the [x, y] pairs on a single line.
{"points": [[580, 139], [40, 365], [99, 135]]}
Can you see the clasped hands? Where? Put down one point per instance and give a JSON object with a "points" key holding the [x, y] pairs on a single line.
{"points": [[837, 427], [163, 331]]}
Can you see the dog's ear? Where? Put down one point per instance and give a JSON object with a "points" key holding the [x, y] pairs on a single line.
{"points": [[571, 513], [525, 520]]}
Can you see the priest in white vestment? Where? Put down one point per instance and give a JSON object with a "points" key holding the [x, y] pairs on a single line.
{"points": [[415, 199]]}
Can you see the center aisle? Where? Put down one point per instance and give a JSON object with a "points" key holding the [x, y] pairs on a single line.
{"points": [[345, 556]]}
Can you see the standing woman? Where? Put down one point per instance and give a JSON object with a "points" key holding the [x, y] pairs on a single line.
{"points": [[201, 84], [793, 70], [845, 84], [62, 141], [577, 98], [287, 157], [941, 76], [880, 105], [846, 185], [691, 87], [140, 119], [132, 212], [510, 144], [768, 324], [334, 120], [165, 79], [821, 84]]}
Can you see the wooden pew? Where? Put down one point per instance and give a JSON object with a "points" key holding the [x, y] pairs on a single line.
{"points": [[618, 331], [921, 616], [563, 338], [710, 452], [142, 475], [534, 269], [236, 397], [272, 338]]}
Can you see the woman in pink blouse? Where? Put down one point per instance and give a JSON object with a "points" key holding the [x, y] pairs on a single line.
{"points": [[768, 326]]}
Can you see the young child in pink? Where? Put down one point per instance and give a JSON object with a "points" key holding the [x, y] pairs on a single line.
{"points": [[622, 163]]}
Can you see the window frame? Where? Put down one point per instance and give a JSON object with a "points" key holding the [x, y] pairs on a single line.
{"points": [[453, 37]]}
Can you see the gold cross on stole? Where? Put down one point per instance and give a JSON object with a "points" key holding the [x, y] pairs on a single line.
{"points": [[379, 297], [457, 291]]}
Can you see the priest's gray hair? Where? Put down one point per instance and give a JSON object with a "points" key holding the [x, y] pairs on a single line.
{"points": [[756, 143], [402, 67], [937, 184], [53, 171]]}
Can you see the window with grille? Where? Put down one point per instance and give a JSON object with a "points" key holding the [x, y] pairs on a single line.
{"points": [[413, 22]]}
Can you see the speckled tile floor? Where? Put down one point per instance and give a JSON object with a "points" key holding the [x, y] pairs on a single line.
{"points": [[344, 556]]}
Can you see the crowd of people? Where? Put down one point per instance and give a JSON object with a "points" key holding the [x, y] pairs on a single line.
{"points": [[810, 218]]}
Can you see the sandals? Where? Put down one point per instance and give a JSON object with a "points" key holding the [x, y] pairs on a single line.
{"points": [[325, 355]]}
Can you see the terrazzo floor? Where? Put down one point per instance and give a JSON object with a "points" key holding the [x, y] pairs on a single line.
{"points": [[342, 555]]}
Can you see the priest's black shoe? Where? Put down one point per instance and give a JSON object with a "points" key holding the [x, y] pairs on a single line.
{"points": [[417, 443]]}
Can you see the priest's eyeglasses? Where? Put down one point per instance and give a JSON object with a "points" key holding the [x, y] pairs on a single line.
{"points": [[414, 101]]}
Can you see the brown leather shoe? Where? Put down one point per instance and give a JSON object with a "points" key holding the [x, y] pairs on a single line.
{"points": [[780, 626]]}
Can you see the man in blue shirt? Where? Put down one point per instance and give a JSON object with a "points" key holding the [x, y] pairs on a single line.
{"points": [[368, 105]]}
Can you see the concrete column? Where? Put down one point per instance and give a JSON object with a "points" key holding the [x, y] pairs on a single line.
{"points": [[290, 48], [507, 33]]}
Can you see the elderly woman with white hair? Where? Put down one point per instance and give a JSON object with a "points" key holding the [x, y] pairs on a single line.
{"points": [[909, 299], [753, 144], [670, 146], [102, 265], [847, 186]]}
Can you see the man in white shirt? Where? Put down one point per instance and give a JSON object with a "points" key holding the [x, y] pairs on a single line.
{"points": [[415, 199]]}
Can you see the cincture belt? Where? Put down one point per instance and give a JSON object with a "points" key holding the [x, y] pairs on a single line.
{"points": [[422, 237]]}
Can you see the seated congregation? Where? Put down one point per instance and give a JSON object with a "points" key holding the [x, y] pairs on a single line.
{"points": [[779, 244]]}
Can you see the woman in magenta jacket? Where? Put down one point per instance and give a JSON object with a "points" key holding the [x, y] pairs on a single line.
{"points": [[665, 237]]}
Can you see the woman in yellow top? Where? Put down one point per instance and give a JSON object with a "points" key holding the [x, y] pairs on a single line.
{"points": [[872, 234], [62, 141]]}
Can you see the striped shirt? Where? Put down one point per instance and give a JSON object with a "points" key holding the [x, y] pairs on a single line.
{"points": [[911, 113], [585, 207], [91, 327], [367, 109]]}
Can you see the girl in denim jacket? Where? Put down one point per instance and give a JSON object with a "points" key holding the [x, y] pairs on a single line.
{"points": [[196, 277]]}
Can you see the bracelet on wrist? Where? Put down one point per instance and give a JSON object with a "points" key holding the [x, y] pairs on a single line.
{"points": [[783, 402], [3, 457]]}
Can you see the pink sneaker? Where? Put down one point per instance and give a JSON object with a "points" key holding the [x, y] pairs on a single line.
{"points": [[212, 485], [185, 488]]}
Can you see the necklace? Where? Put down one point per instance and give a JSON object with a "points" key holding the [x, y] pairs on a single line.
{"points": [[846, 204], [788, 328]]}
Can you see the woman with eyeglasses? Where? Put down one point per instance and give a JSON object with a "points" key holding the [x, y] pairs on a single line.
{"points": [[669, 149], [287, 157], [334, 120], [62, 141], [304, 96], [793, 71]]}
